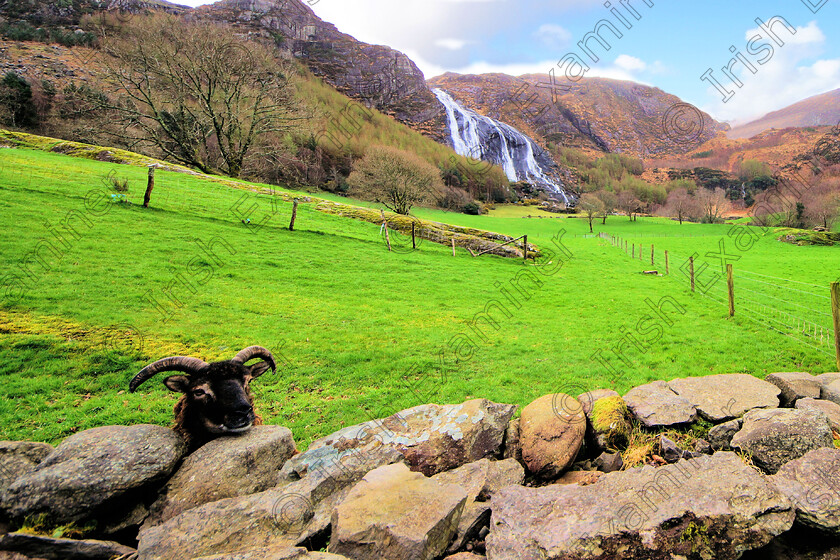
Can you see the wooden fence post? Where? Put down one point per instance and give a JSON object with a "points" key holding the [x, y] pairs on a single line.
{"points": [[634, 251], [413, 242], [730, 283], [652, 263], [453, 246], [525, 249], [149, 187], [835, 312], [294, 215], [691, 271], [667, 270], [385, 225]]}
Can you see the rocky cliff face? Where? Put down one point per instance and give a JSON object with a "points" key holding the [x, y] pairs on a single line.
{"points": [[595, 113], [380, 76], [49, 13]]}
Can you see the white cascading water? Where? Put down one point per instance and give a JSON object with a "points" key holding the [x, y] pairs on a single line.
{"points": [[487, 139]]}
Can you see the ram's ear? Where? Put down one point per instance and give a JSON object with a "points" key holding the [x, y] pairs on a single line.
{"points": [[258, 369], [177, 383]]}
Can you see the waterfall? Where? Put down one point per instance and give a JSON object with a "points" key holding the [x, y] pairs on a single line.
{"points": [[483, 138]]}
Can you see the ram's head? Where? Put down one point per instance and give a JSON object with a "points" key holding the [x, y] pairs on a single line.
{"points": [[216, 398]]}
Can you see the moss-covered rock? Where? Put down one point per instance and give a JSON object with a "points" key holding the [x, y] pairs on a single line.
{"points": [[610, 420]]}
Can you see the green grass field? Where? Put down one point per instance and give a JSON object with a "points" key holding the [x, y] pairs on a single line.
{"points": [[362, 332]]}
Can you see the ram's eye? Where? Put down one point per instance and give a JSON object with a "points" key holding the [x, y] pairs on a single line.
{"points": [[199, 392]]}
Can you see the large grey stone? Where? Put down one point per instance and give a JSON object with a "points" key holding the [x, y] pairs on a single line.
{"points": [[708, 507], [483, 478], [97, 473], [396, 514], [286, 516], [795, 386], [18, 458], [277, 553], [433, 438], [776, 436], [226, 467], [830, 389], [720, 436], [656, 405], [475, 517], [34, 546], [812, 483], [831, 409], [551, 432], [723, 397]]}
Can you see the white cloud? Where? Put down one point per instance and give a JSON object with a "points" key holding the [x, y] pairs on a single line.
{"points": [[794, 73], [624, 68], [553, 36], [452, 44], [630, 63]]}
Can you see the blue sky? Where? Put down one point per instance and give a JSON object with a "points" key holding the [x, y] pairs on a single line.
{"points": [[669, 45]]}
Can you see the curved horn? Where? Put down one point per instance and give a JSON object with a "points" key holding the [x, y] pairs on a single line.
{"points": [[173, 363], [255, 352]]}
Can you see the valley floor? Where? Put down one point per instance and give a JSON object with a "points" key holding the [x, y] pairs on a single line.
{"points": [[359, 332]]}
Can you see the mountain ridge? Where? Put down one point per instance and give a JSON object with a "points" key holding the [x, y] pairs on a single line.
{"points": [[594, 113], [818, 110]]}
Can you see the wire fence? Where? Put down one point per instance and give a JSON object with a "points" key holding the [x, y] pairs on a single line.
{"points": [[799, 310]]}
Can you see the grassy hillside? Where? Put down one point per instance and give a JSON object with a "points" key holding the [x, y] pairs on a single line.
{"points": [[342, 128], [360, 331]]}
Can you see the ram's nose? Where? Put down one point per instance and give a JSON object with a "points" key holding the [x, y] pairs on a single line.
{"points": [[240, 419]]}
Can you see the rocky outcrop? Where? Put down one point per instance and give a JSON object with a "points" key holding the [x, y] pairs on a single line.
{"points": [[364, 491], [484, 478], [656, 405], [795, 386], [286, 516], [811, 483], [395, 513], [377, 75], [225, 468], [830, 389], [699, 508], [723, 397], [281, 553], [593, 113], [433, 438], [829, 408], [99, 472], [33, 546], [720, 436], [551, 432], [18, 458], [777, 436]]}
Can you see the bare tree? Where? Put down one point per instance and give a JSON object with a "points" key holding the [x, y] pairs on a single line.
{"points": [[822, 203], [196, 92], [610, 200], [395, 178], [591, 206], [713, 204], [629, 203], [680, 204]]}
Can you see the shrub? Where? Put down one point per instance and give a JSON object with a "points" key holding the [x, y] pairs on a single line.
{"points": [[472, 208]]}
